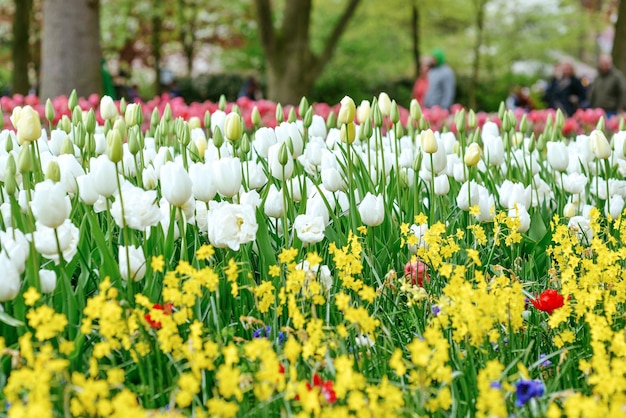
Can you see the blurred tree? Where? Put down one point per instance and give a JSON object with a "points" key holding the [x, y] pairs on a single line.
{"points": [[291, 65], [619, 43], [21, 45], [70, 53]]}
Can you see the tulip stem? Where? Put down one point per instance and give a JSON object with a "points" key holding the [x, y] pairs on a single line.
{"points": [[431, 202], [183, 235], [124, 231]]}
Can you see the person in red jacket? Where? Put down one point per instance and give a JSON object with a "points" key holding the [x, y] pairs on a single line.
{"points": [[421, 84]]}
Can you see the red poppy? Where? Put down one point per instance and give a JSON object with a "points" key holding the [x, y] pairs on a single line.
{"points": [[166, 308], [548, 301], [416, 270]]}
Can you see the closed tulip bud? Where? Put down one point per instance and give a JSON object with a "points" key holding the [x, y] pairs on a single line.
{"points": [[600, 146], [600, 124], [280, 114], [24, 161], [415, 110], [367, 128], [185, 135], [501, 111], [523, 124], [378, 116], [384, 103], [363, 111], [10, 185], [372, 210], [559, 119], [308, 118], [129, 114], [471, 119], [429, 142], [235, 109], [218, 138], [8, 144], [107, 108], [49, 110], [79, 135], [245, 144], [394, 114], [476, 137], [77, 116], [506, 122], [283, 154], [114, 151], [90, 122], [459, 120], [28, 126], [256, 117], [417, 162], [303, 107], [154, 118], [348, 133], [622, 124], [167, 113], [331, 122], [233, 127], [472, 155], [53, 172], [569, 211], [72, 101], [398, 130], [221, 104], [1, 118], [67, 147], [207, 119], [133, 142], [347, 111], [292, 115], [123, 105], [120, 126]]}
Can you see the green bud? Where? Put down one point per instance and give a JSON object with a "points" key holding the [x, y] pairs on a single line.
{"points": [[167, 113], [622, 124], [410, 126], [120, 126], [123, 106], [331, 122], [471, 119], [292, 115], [549, 120], [280, 114], [600, 124], [90, 144], [65, 124], [167, 156], [245, 144], [138, 114], [541, 142], [398, 130], [79, 135], [114, 151], [67, 147], [523, 124], [49, 110], [193, 149], [394, 114], [476, 137], [222, 103], [185, 134], [53, 172], [10, 184], [417, 162], [90, 125], [532, 144], [283, 154], [404, 179], [308, 118], [218, 138], [560, 119], [1, 118], [207, 119], [25, 160], [367, 128], [133, 141], [256, 117], [154, 118], [303, 107], [378, 116], [11, 167], [506, 123], [415, 110], [8, 145], [72, 101], [235, 109], [501, 111], [459, 120], [77, 115]]}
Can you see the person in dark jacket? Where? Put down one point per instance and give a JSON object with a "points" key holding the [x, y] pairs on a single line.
{"points": [[608, 90], [565, 90], [441, 83]]}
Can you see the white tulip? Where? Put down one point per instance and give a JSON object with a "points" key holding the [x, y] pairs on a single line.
{"points": [[227, 172], [140, 208], [581, 228], [274, 206], [132, 257], [46, 242], [442, 185], [50, 205], [231, 225], [47, 280], [276, 169], [108, 110], [599, 145], [520, 212], [15, 245], [558, 156], [104, 175], [175, 184], [309, 229], [10, 280], [372, 210], [494, 150]]}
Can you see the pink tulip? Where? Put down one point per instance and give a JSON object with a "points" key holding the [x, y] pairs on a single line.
{"points": [[416, 270]]}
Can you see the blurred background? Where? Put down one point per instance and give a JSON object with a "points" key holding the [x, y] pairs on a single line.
{"points": [[324, 49]]}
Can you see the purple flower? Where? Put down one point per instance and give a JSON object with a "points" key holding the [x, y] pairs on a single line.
{"points": [[262, 332], [435, 310], [528, 389], [495, 385], [545, 363]]}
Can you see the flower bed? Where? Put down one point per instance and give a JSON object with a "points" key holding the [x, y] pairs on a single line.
{"points": [[222, 260]]}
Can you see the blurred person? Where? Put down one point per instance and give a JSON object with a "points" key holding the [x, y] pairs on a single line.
{"points": [[519, 98], [421, 84], [251, 89], [565, 90], [608, 90], [441, 82]]}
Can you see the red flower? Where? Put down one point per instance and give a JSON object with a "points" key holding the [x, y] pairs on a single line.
{"points": [[548, 301], [416, 270], [167, 309], [326, 388], [281, 368]]}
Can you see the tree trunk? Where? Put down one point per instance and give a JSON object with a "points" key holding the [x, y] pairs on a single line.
{"points": [[619, 43], [21, 47], [292, 68], [480, 27], [415, 27], [70, 52], [157, 23]]}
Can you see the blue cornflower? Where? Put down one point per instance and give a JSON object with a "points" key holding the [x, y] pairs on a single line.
{"points": [[435, 310], [281, 337], [528, 389]]}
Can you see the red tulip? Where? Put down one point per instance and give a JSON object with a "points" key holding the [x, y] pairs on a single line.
{"points": [[166, 308], [548, 301]]}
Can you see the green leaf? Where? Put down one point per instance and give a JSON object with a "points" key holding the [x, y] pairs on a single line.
{"points": [[9, 320]]}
